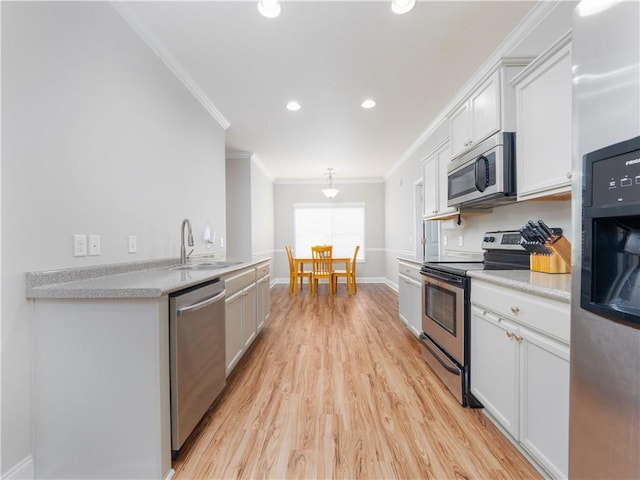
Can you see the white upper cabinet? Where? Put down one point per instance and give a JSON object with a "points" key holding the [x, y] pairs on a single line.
{"points": [[543, 110], [434, 175], [488, 109]]}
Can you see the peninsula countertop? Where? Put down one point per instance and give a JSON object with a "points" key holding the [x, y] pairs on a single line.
{"points": [[151, 279], [551, 285]]}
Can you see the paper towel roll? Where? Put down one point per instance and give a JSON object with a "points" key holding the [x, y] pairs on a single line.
{"points": [[453, 224]]}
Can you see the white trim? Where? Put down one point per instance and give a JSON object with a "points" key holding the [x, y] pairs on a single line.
{"points": [[170, 474], [238, 155], [262, 167], [393, 286], [264, 255], [24, 470], [1, 163], [537, 15], [316, 181], [285, 280], [330, 205], [163, 54]]}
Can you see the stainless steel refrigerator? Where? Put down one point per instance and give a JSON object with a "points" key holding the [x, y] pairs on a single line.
{"points": [[604, 439]]}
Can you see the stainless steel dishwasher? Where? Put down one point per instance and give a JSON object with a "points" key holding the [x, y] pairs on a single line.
{"points": [[197, 355]]}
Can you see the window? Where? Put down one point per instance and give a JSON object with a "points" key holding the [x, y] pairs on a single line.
{"points": [[338, 224]]}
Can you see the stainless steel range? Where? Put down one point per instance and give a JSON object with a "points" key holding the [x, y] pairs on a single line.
{"points": [[446, 309]]}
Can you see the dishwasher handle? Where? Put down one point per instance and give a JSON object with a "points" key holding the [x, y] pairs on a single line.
{"points": [[199, 305]]}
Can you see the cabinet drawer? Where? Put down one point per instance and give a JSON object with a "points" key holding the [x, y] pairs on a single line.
{"points": [[409, 270], [546, 315], [262, 270], [237, 281]]}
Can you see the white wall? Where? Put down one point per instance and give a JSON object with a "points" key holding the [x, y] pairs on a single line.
{"points": [[262, 213], [97, 137], [371, 194], [238, 192]]}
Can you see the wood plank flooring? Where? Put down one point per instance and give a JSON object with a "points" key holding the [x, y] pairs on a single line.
{"points": [[336, 388]]}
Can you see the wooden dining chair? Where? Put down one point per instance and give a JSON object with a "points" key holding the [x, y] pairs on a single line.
{"points": [[295, 275], [349, 275], [322, 266]]}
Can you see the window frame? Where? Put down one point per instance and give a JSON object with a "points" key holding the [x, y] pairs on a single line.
{"points": [[361, 258]]}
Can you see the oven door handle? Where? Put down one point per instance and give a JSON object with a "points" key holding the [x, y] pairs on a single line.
{"points": [[421, 339]]}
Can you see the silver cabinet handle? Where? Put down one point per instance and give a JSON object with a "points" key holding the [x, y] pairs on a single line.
{"points": [[515, 310], [518, 338], [509, 334], [569, 174]]}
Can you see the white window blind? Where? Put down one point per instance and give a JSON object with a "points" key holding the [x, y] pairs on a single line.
{"points": [[340, 225]]}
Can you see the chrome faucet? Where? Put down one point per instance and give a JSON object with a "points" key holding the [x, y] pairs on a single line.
{"points": [[183, 251]]}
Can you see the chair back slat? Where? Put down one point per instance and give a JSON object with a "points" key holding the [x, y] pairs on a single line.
{"points": [[322, 260]]}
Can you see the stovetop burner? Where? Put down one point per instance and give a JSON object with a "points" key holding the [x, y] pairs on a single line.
{"points": [[502, 251]]}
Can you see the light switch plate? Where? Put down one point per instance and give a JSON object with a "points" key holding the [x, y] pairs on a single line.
{"points": [[133, 244], [94, 245]]}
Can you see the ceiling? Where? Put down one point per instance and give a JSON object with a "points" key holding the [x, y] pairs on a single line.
{"points": [[329, 56]]}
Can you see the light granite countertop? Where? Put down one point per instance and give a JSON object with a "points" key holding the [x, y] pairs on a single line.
{"points": [[552, 285], [150, 279]]}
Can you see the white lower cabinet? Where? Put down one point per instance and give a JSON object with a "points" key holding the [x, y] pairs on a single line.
{"points": [[494, 368], [240, 315], [264, 296], [520, 373], [410, 296]]}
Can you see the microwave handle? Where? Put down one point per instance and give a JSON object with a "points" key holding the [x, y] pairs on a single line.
{"points": [[481, 166]]}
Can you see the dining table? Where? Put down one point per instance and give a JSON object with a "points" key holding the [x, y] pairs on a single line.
{"points": [[300, 262]]}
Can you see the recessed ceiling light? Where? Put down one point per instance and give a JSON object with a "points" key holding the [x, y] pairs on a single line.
{"points": [[402, 6], [368, 103], [269, 8], [293, 106]]}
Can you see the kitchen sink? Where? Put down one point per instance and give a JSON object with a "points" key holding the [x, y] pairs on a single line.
{"points": [[205, 265]]}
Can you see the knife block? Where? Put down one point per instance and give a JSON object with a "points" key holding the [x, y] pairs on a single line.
{"points": [[558, 262]]}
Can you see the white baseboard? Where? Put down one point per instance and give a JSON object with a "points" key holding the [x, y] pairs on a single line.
{"points": [[285, 280], [24, 470]]}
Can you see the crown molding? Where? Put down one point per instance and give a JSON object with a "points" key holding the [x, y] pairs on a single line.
{"points": [[172, 64], [262, 167], [526, 26], [317, 181]]}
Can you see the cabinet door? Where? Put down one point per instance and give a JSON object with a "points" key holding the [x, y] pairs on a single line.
{"points": [[233, 330], [544, 401], [264, 302], [460, 129], [543, 102], [404, 298], [430, 180], [444, 156], [485, 109], [494, 367], [249, 326], [415, 306]]}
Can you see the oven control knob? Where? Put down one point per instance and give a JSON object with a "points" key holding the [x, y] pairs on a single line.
{"points": [[489, 239]]}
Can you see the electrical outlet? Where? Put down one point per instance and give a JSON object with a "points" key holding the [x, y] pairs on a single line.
{"points": [[221, 242], [94, 245], [444, 240], [79, 245], [133, 244], [461, 241]]}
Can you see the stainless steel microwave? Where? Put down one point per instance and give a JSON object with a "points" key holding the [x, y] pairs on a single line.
{"points": [[485, 176]]}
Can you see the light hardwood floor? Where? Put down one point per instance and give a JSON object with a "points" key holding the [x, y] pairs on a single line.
{"points": [[335, 387]]}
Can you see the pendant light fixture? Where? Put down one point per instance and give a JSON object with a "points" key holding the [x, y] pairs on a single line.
{"points": [[402, 6], [330, 192], [269, 8]]}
